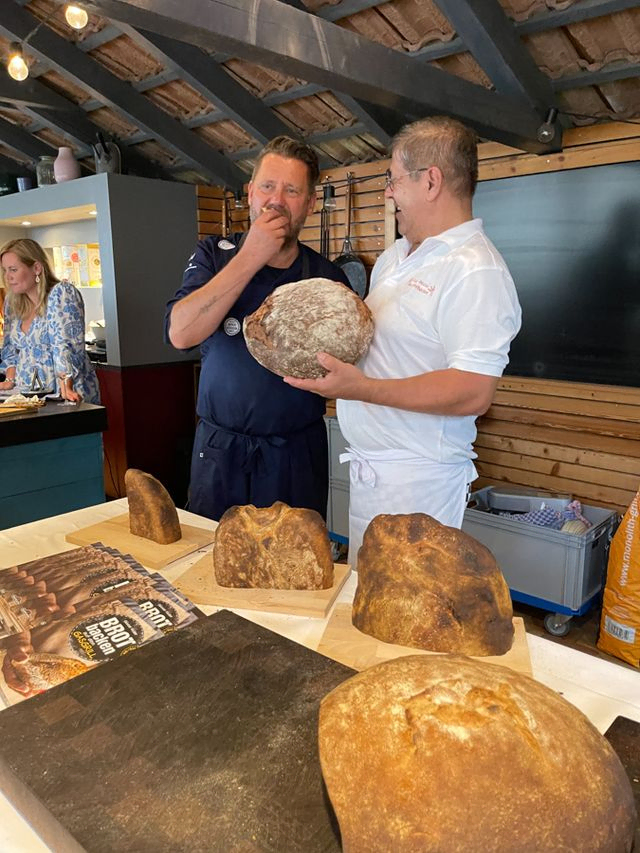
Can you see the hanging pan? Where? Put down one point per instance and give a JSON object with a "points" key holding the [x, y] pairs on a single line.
{"points": [[348, 261]]}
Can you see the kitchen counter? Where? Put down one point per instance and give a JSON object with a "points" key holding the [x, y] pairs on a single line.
{"points": [[600, 689], [56, 419], [51, 460]]}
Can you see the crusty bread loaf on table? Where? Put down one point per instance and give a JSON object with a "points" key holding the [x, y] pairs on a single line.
{"points": [[276, 547], [152, 513], [424, 585], [447, 754]]}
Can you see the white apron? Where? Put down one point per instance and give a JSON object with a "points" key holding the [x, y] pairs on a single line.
{"points": [[439, 490]]}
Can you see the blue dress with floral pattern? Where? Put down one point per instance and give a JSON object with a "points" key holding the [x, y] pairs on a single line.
{"points": [[53, 345]]}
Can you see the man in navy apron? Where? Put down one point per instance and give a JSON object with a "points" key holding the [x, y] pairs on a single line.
{"points": [[258, 439]]}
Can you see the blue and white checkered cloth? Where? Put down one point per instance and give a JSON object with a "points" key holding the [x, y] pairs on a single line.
{"points": [[546, 516]]}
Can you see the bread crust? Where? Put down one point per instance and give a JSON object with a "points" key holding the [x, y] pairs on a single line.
{"points": [[302, 318], [276, 547], [152, 513], [424, 585], [435, 753], [40, 670]]}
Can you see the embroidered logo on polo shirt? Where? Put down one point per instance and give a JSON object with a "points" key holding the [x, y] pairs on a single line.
{"points": [[225, 244], [231, 326], [429, 289]]}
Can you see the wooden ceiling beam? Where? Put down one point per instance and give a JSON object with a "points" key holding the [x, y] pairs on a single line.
{"points": [[28, 93], [613, 72], [23, 142], [16, 23], [215, 84], [274, 34], [490, 37], [12, 166]]}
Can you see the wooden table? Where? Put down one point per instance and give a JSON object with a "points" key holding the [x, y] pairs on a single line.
{"points": [[602, 690]]}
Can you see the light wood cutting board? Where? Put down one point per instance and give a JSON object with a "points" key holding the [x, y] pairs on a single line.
{"points": [[115, 533], [16, 410], [346, 644], [199, 585]]}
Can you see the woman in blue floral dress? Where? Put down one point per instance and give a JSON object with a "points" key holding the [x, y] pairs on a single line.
{"points": [[43, 327]]}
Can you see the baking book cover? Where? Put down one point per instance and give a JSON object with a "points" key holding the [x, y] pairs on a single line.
{"points": [[64, 614]]}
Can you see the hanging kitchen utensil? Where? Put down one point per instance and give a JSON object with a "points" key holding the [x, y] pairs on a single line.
{"points": [[324, 232], [225, 215], [106, 155], [348, 261]]}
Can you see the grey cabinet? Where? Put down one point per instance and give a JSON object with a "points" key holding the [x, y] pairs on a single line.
{"points": [[338, 503]]}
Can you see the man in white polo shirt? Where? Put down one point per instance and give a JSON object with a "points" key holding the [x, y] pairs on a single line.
{"points": [[446, 311]]}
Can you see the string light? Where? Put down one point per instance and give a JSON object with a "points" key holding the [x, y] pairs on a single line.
{"points": [[17, 67], [76, 17]]}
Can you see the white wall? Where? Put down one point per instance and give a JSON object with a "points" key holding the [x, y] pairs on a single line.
{"points": [[69, 233], [9, 233]]}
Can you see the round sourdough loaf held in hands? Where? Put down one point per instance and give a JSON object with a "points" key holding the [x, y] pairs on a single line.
{"points": [[276, 547], [428, 586], [445, 754], [301, 319], [152, 513]]}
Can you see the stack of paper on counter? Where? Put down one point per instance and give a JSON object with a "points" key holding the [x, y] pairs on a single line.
{"points": [[63, 614]]}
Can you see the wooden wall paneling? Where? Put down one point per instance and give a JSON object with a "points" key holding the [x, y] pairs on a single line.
{"points": [[565, 437]]}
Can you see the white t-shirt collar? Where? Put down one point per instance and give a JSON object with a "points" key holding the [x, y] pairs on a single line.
{"points": [[440, 243]]}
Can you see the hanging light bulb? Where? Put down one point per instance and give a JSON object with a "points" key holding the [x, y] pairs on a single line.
{"points": [[76, 16], [328, 195], [237, 200], [16, 66]]}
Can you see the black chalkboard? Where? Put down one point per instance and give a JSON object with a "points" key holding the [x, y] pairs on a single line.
{"points": [[572, 242]]}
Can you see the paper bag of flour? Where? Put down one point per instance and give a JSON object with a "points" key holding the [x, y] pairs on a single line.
{"points": [[620, 621]]}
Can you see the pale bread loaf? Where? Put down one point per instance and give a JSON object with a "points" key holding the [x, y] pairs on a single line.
{"points": [[300, 319], [152, 513], [428, 586], [276, 547], [444, 754]]}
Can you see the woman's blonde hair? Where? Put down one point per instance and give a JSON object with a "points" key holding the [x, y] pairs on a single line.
{"points": [[29, 252]]}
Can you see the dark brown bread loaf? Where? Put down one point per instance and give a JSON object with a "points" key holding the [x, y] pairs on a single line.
{"points": [[152, 513], [276, 547], [300, 319], [445, 754], [428, 586]]}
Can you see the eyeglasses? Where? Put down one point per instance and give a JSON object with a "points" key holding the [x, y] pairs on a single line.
{"points": [[391, 182]]}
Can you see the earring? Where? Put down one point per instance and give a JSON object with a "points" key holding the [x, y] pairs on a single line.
{"points": [[37, 278]]}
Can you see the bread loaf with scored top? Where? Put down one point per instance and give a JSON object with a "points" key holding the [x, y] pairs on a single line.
{"points": [[276, 547], [445, 754], [425, 585]]}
